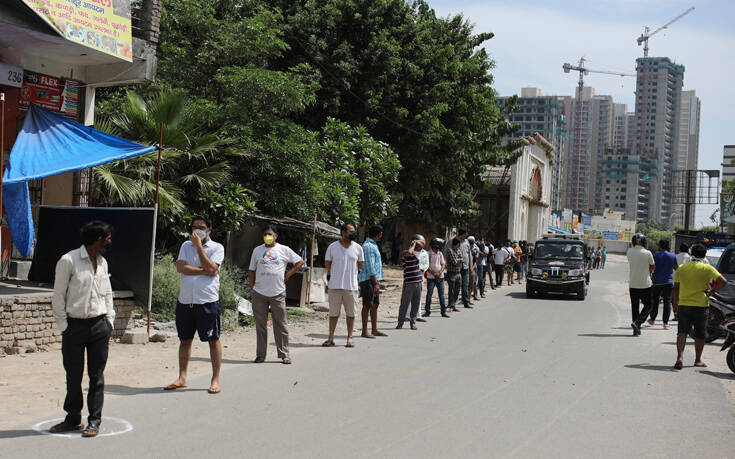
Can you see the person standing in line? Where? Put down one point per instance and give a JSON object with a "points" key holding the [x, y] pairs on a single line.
{"points": [[343, 260], [499, 257], [267, 276], [475, 254], [518, 254], [423, 257], [603, 254], [489, 269], [413, 279], [466, 251], [510, 262], [683, 255], [663, 281], [524, 259], [641, 266], [453, 258], [369, 279], [694, 283], [435, 277], [83, 309], [480, 270], [197, 308]]}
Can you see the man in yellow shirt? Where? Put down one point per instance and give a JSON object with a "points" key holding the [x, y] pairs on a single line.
{"points": [[693, 284]]}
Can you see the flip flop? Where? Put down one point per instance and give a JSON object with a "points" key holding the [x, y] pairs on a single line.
{"points": [[328, 343], [174, 386], [367, 336], [350, 344], [700, 365], [379, 333], [286, 361], [214, 390], [90, 431]]}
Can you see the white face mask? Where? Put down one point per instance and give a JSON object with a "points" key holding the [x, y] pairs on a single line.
{"points": [[202, 235]]}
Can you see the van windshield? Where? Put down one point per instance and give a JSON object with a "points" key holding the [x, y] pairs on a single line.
{"points": [[558, 251]]}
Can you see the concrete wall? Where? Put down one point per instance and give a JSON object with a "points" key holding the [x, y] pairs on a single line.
{"points": [[30, 318]]}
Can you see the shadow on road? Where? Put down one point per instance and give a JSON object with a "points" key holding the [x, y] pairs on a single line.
{"points": [[646, 366], [18, 433], [113, 389], [604, 335], [718, 374], [227, 361]]}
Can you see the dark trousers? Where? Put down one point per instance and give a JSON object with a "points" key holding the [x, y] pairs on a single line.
{"points": [[410, 302], [466, 287], [480, 278], [94, 336], [454, 281], [499, 271], [637, 296], [488, 269], [664, 291], [430, 284]]}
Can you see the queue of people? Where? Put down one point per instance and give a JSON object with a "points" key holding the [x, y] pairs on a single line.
{"points": [[83, 307], [683, 282]]}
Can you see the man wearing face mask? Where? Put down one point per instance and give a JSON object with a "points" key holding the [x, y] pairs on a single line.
{"points": [[268, 277], [413, 279], [83, 309], [197, 309], [343, 260]]}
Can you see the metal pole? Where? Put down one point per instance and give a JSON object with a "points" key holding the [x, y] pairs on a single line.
{"points": [[155, 221], [311, 262], [2, 171], [687, 200]]}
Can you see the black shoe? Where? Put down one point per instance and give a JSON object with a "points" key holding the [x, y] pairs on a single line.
{"points": [[63, 427], [399, 326], [446, 315], [419, 319], [636, 328], [469, 307], [92, 430]]}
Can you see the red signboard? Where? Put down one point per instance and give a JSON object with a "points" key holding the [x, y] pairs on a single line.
{"points": [[54, 94]]}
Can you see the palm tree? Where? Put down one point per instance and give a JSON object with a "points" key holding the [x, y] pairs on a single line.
{"points": [[192, 161]]}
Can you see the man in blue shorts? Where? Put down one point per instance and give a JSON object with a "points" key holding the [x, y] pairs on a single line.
{"points": [[197, 309]]}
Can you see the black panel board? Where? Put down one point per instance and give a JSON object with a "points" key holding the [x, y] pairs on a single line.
{"points": [[128, 258]]}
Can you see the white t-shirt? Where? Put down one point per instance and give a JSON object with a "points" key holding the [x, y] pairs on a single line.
{"points": [[269, 264], [682, 257], [343, 273], [639, 261], [500, 255], [200, 288]]}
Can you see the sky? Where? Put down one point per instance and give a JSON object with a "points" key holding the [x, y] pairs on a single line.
{"points": [[534, 38]]}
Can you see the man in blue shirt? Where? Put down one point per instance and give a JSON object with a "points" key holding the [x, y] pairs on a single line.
{"points": [[369, 278], [663, 281]]}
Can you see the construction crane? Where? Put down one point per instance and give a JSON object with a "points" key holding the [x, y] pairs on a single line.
{"points": [[646, 35], [578, 200]]}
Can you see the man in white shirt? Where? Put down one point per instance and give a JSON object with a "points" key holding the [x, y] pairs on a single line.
{"points": [[500, 255], [641, 266], [197, 309], [343, 260], [683, 255], [83, 309], [267, 276]]}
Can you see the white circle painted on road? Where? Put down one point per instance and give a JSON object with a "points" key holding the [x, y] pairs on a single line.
{"points": [[108, 428]]}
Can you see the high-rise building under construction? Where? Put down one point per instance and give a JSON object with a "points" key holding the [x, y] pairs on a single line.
{"points": [[656, 141]]}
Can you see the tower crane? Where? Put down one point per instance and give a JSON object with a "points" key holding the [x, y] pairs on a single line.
{"points": [[579, 200], [643, 39]]}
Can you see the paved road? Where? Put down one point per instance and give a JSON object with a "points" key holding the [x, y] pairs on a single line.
{"points": [[513, 378]]}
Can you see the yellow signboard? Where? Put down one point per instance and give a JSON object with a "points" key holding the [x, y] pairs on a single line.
{"points": [[100, 24]]}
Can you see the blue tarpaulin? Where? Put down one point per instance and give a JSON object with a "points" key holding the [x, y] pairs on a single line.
{"points": [[51, 144]]}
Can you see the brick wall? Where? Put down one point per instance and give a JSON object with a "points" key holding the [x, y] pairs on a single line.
{"points": [[30, 317]]}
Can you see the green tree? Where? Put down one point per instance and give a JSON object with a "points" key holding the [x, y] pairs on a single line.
{"points": [[417, 82]]}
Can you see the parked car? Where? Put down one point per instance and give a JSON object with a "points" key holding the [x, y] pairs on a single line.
{"points": [[558, 266], [726, 266]]}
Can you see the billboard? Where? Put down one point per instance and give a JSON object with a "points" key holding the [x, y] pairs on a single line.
{"points": [[103, 25], [129, 256]]}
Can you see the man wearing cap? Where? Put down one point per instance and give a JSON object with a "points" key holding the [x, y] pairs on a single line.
{"points": [[413, 279]]}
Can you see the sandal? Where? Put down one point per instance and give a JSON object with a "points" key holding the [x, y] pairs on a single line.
{"points": [[328, 343], [286, 361], [215, 389], [174, 386], [678, 365], [700, 364], [350, 344], [90, 431], [379, 333], [63, 427]]}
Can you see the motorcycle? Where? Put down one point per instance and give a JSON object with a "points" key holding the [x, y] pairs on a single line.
{"points": [[721, 310], [729, 330]]}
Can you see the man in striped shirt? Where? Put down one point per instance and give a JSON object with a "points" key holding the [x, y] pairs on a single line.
{"points": [[413, 279]]}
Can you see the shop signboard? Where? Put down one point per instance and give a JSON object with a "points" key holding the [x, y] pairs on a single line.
{"points": [[610, 235], [103, 25], [58, 95]]}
